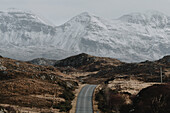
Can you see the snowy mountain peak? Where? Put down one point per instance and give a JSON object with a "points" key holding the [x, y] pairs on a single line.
{"points": [[153, 18], [154, 12], [23, 28], [14, 15], [133, 37], [83, 22], [83, 18], [85, 14]]}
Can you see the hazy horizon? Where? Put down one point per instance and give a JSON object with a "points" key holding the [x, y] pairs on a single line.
{"points": [[60, 11]]}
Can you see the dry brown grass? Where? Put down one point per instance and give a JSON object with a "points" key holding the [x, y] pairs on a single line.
{"points": [[20, 91], [86, 63], [32, 86], [131, 86]]}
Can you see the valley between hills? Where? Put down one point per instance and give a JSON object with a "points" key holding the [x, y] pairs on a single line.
{"points": [[52, 86], [117, 65]]}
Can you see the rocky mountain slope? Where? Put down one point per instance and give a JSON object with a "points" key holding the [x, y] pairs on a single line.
{"points": [[26, 36], [43, 61], [132, 37]]}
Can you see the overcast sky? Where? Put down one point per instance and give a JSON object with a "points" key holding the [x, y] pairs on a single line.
{"points": [[60, 11]]}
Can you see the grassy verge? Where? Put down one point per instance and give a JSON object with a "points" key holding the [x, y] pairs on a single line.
{"points": [[68, 95], [153, 99], [109, 101]]}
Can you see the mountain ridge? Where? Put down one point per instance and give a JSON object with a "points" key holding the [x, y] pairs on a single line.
{"points": [[132, 41]]}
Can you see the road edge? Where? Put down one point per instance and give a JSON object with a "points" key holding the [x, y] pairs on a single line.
{"points": [[95, 104], [74, 102]]}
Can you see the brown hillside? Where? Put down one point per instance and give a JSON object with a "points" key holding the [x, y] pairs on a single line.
{"points": [[28, 85], [148, 71], [87, 62], [154, 99]]}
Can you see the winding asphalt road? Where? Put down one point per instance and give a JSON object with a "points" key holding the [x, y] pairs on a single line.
{"points": [[84, 100]]}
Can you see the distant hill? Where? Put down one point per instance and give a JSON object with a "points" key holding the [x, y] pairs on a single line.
{"points": [[43, 61], [87, 62]]}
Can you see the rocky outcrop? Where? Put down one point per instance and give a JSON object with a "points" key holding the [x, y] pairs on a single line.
{"points": [[43, 61]]}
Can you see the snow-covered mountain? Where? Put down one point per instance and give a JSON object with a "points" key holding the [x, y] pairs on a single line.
{"points": [[24, 36], [132, 37], [24, 28]]}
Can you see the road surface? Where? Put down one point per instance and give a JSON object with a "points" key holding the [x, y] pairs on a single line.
{"points": [[84, 100]]}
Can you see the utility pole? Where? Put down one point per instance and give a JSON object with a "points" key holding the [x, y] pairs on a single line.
{"points": [[161, 73]]}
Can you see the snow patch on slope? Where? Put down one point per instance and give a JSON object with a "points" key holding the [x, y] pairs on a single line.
{"points": [[132, 37]]}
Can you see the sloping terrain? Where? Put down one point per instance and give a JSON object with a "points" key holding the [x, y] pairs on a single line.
{"points": [[43, 61], [87, 62], [153, 99], [33, 86], [148, 71], [82, 65], [92, 69], [130, 86], [132, 37], [25, 36], [28, 85]]}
